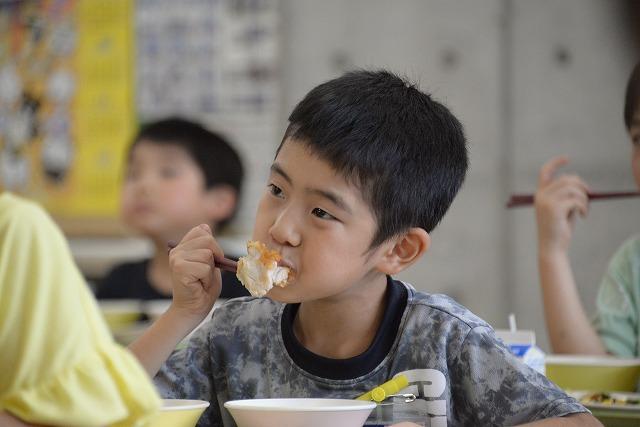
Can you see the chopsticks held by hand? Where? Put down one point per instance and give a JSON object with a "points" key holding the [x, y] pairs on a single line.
{"points": [[519, 200], [221, 263]]}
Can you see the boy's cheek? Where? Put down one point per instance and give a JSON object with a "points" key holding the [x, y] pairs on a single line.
{"points": [[261, 228]]}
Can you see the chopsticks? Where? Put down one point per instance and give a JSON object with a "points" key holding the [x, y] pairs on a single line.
{"points": [[519, 200], [221, 263]]}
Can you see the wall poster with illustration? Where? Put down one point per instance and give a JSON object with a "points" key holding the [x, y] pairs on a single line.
{"points": [[66, 109], [76, 77]]}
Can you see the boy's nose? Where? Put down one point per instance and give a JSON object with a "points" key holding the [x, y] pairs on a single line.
{"points": [[284, 230]]}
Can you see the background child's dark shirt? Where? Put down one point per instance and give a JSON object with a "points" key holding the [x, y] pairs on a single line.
{"points": [[129, 281]]}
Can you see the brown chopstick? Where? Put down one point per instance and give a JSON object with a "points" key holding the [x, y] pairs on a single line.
{"points": [[222, 263], [518, 200]]}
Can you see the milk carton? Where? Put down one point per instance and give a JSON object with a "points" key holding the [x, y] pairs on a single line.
{"points": [[522, 343]]}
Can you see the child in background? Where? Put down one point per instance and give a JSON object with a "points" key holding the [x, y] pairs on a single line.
{"points": [[179, 174], [58, 364], [616, 327], [367, 168]]}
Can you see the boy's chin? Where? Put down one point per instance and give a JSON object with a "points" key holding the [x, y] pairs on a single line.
{"points": [[281, 295]]}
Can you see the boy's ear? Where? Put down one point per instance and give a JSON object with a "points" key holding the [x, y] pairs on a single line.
{"points": [[220, 202], [405, 249]]}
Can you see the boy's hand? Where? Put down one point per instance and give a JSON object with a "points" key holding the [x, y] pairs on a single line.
{"points": [[196, 286], [196, 282], [557, 202]]}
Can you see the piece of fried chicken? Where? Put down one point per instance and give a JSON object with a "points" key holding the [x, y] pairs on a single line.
{"points": [[259, 270]]}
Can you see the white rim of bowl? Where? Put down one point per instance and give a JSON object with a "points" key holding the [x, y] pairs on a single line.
{"points": [[253, 404], [185, 404]]}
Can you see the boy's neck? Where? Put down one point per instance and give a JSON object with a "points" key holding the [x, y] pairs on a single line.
{"points": [[343, 326]]}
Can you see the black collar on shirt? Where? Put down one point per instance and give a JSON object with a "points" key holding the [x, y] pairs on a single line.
{"points": [[354, 367]]}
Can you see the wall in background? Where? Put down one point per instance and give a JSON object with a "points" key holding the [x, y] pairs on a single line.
{"points": [[529, 80], [569, 64], [453, 49]]}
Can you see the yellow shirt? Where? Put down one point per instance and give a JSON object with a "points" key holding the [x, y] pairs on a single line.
{"points": [[58, 362]]}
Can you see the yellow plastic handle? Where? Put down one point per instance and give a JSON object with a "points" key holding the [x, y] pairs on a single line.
{"points": [[381, 392]]}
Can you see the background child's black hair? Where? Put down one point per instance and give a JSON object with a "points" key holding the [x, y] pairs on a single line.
{"points": [[219, 162]]}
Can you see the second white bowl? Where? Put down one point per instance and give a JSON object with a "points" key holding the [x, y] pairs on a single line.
{"points": [[299, 412]]}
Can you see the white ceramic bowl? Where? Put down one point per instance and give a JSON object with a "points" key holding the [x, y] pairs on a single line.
{"points": [[299, 412], [179, 413]]}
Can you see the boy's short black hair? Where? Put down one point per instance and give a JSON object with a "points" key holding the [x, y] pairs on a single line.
{"points": [[631, 96], [404, 150], [219, 162]]}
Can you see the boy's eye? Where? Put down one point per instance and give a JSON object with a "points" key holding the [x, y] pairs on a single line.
{"points": [[321, 213], [275, 190]]}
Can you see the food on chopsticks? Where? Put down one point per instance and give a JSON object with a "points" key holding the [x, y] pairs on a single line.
{"points": [[259, 270]]}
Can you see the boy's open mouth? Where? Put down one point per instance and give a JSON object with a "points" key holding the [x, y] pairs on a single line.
{"points": [[286, 263]]}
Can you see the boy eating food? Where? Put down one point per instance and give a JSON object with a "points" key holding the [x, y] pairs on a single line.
{"points": [[366, 169]]}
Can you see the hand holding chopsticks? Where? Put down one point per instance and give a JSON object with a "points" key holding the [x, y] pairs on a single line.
{"points": [[221, 263], [547, 184]]}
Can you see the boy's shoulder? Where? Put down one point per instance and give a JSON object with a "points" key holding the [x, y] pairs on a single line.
{"points": [[440, 310], [432, 308], [630, 247], [627, 257], [29, 222], [243, 303], [16, 209], [243, 312]]}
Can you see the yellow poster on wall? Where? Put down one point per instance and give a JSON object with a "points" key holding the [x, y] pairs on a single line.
{"points": [[66, 104]]}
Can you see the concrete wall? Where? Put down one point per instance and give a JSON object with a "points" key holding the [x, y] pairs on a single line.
{"points": [[569, 63], [528, 79]]}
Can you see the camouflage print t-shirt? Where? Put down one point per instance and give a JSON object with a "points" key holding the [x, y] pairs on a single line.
{"points": [[460, 372]]}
